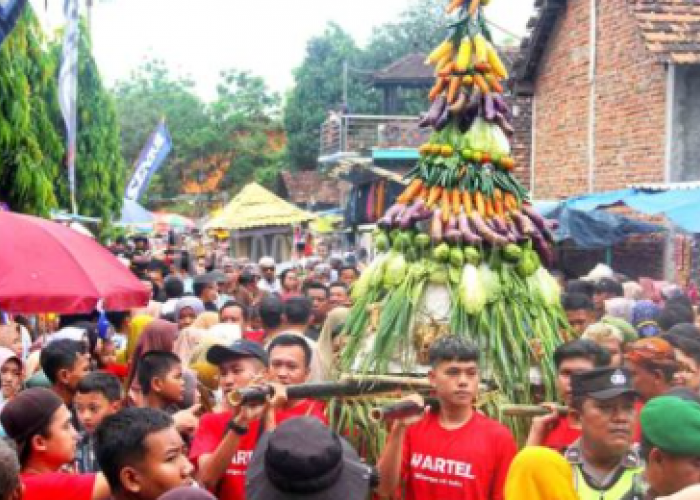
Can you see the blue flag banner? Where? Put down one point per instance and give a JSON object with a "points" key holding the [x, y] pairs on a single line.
{"points": [[68, 90], [9, 12], [150, 160]]}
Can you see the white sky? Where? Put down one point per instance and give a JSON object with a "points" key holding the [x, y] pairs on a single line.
{"points": [[200, 38]]}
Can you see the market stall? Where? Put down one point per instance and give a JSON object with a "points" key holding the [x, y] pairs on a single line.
{"points": [[259, 223]]}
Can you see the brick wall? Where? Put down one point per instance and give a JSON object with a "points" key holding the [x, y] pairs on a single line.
{"points": [[630, 105], [521, 143]]}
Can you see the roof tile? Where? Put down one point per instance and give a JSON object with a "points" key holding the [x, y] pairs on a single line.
{"points": [[670, 28]]}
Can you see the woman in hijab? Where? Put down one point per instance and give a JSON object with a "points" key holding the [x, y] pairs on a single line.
{"points": [[186, 311], [329, 341], [644, 318], [620, 307], [539, 473], [10, 378]]}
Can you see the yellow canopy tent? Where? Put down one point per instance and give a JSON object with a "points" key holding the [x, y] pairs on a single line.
{"points": [[260, 223]]}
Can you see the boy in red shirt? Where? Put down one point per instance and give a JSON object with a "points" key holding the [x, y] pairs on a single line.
{"points": [[40, 424], [453, 453], [142, 454], [560, 431]]}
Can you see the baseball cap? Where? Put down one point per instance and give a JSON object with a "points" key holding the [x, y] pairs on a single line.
{"points": [[602, 383], [241, 348], [672, 424], [303, 458]]}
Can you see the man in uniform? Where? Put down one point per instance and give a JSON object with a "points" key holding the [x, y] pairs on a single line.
{"points": [[605, 465]]}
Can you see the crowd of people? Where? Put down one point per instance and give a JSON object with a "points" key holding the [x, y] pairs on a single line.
{"points": [[137, 404]]}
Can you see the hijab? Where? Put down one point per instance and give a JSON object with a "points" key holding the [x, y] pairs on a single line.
{"points": [[205, 320], [644, 315], [136, 327], [335, 318], [539, 473], [619, 307], [192, 302], [158, 335]]}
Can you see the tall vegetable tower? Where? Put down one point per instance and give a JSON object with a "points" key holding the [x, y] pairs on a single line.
{"points": [[462, 251]]}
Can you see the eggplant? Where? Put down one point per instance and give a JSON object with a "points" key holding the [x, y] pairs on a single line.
{"points": [[505, 125], [543, 249], [391, 216], [408, 217], [434, 112], [489, 108], [460, 103], [500, 227], [535, 217], [502, 106], [513, 229], [525, 225], [469, 236], [474, 102], [466, 119], [483, 230], [444, 119], [436, 227]]}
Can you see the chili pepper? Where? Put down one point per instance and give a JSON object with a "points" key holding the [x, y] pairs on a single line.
{"points": [[498, 203], [488, 208], [511, 202], [479, 203], [410, 192]]}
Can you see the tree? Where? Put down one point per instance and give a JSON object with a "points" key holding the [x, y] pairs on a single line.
{"points": [[31, 150], [318, 89]]}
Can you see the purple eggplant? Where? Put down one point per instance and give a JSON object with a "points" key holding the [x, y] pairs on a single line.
{"points": [[502, 106], [466, 118], [513, 229], [489, 108], [435, 111], [535, 217], [525, 225], [543, 249], [444, 119], [483, 230], [505, 125], [469, 236], [408, 217], [391, 216]]}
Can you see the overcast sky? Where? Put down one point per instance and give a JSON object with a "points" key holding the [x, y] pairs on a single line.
{"points": [[200, 38]]}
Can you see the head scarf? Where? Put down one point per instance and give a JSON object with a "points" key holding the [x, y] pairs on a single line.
{"points": [[335, 318], [651, 289], [159, 335], [644, 314], [192, 302], [136, 327], [186, 343], [633, 290], [619, 307], [205, 320], [628, 331], [539, 473]]}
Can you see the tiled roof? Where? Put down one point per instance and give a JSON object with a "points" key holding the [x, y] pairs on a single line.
{"points": [[408, 69], [306, 186], [670, 28], [255, 206]]}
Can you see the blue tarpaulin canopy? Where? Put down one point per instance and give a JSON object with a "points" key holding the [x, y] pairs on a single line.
{"points": [[593, 228], [680, 206], [133, 213]]}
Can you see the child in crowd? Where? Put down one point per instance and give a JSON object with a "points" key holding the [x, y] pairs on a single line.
{"points": [[160, 375], [40, 424], [99, 395], [141, 454]]}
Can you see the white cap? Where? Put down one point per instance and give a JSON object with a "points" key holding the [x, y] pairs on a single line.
{"points": [[598, 273], [267, 262]]}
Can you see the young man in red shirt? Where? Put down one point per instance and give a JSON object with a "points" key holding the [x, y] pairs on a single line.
{"points": [[142, 454], [559, 431], [455, 452], [40, 424]]}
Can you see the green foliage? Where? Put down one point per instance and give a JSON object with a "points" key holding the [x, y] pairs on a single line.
{"points": [[319, 79], [30, 147], [237, 124]]}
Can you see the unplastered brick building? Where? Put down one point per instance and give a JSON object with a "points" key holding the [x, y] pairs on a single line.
{"points": [[614, 87]]}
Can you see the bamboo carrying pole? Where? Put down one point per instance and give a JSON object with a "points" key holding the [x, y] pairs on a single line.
{"points": [[530, 410]]}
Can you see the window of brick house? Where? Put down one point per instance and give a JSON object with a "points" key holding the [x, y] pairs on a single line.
{"points": [[685, 145]]}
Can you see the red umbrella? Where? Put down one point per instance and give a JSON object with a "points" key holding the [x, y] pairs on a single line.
{"points": [[47, 267]]}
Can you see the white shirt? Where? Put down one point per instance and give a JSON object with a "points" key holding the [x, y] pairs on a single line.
{"points": [[268, 287]]}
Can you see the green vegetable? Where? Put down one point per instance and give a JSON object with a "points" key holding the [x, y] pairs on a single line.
{"points": [[471, 290], [472, 256], [381, 242], [395, 273], [422, 241], [441, 253], [456, 258], [512, 252]]}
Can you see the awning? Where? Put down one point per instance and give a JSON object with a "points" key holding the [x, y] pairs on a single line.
{"points": [[678, 203]]}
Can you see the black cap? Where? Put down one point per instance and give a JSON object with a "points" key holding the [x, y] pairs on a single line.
{"points": [[204, 279], [602, 383], [609, 285], [241, 348]]}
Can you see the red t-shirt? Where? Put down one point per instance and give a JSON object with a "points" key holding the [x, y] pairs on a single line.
{"points": [[255, 336], [637, 433], [469, 463], [562, 435], [212, 428], [58, 485]]}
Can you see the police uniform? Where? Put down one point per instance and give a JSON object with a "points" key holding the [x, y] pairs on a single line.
{"points": [[625, 481]]}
